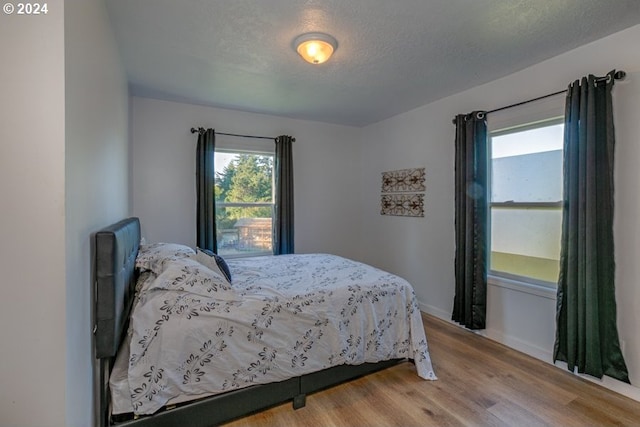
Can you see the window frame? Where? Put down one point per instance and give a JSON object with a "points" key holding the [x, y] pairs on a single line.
{"points": [[261, 152], [504, 279]]}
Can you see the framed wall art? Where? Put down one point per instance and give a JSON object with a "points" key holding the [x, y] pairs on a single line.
{"points": [[403, 192]]}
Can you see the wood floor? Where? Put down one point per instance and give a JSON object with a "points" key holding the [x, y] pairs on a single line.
{"points": [[481, 383]]}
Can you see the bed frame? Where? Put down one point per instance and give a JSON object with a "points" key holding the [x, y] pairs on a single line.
{"points": [[116, 248]]}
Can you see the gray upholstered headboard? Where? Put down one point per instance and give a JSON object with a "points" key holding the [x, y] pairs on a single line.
{"points": [[116, 248]]}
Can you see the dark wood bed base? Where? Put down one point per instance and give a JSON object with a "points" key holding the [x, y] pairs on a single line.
{"points": [[116, 248]]}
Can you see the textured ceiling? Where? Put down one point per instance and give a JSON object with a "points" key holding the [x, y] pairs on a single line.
{"points": [[392, 56]]}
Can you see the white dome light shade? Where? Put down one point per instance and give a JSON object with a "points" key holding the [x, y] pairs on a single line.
{"points": [[315, 48]]}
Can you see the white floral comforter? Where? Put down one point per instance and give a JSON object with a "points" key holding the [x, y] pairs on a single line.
{"points": [[283, 316]]}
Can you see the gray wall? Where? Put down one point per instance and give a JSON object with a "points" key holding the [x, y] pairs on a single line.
{"points": [[97, 177], [32, 230], [422, 250], [326, 165]]}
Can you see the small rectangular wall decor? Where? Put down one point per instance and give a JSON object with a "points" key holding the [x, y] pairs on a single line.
{"points": [[404, 180], [407, 188], [402, 205]]}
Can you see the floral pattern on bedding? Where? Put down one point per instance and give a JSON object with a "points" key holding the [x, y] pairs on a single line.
{"points": [[284, 316]]}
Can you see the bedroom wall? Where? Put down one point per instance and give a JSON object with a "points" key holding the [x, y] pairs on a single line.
{"points": [[327, 196], [97, 178], [32, 237], [422, 249]]}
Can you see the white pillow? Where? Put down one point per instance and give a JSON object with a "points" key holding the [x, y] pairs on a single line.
{"points": [[154, 256], [188, 275], [208, 261], [145, 280]]}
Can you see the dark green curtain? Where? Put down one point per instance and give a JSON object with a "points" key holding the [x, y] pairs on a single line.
{"points": [[586, 332], [205, 183], [471, 204], [283, 239]]}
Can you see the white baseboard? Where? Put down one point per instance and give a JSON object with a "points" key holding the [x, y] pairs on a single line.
{"points": [[494, 335], [534, 351], [518, 344], [435, 311], [610, 383]]}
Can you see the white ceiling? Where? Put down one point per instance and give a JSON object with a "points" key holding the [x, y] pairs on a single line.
{"points": [[392, 56]]}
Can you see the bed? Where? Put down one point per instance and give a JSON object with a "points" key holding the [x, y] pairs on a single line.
{"points": [[200, 350]]}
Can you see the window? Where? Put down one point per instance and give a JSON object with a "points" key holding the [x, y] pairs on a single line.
{"points": [[244, 202], [526, 202]]}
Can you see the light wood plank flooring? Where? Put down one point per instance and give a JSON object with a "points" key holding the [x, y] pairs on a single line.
{"points": [[481, 383]]}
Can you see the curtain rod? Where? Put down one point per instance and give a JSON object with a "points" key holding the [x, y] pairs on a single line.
{"points": [[201, 130], [618, 75]]}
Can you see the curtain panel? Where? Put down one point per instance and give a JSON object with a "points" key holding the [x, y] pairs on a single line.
{"points": [[205, 195], [283, 230], [586, 334], [471, 205]]}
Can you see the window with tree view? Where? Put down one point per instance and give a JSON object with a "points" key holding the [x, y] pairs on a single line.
{"points": [[244, 203], [526, 202]]}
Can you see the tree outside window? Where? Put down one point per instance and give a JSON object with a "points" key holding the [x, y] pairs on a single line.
{"points": [[244, 203]]}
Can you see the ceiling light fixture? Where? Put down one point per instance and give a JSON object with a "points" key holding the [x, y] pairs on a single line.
{"points": [[315, 48]]}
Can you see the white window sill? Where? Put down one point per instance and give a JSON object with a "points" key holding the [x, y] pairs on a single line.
{"points": [[522, 286], [246, 255]]}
